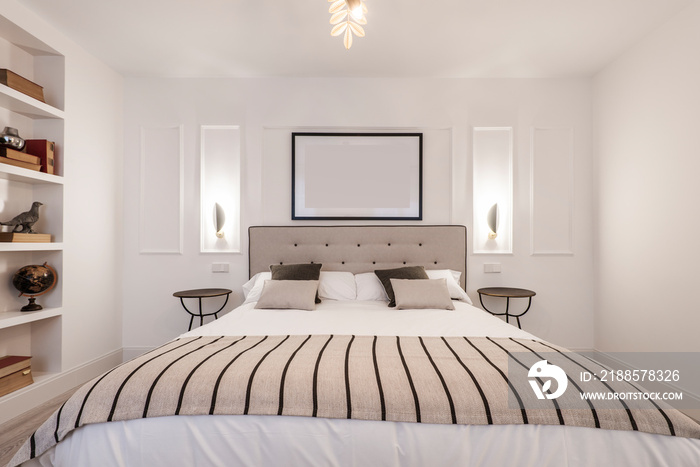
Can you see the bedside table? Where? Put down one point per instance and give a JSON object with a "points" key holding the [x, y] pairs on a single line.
{"points": [[200, 294], [507, 293]]}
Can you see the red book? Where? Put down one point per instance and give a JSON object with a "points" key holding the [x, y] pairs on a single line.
{"points": [[45, 151]]}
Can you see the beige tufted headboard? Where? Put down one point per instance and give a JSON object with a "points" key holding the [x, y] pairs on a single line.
{"points": [[360, 248]]}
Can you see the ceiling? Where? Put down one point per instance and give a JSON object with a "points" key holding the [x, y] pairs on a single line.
{"points": [[408, 38]]}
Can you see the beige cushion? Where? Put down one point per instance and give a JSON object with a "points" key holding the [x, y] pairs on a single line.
{"points": [[421, 294], [296, 272], [408, 272], [291, 294]]}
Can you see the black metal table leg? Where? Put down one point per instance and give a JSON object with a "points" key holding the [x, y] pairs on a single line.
{"points": [[201, 316]]}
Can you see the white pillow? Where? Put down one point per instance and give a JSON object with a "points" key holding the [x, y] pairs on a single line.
{"points": [[333, 285], [452, 279], [254, 287], [369, 287], [337, 285]]}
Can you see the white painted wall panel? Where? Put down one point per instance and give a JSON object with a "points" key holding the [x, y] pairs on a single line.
{"points": [[269, 109], [552, 195], [647, 109], [161, 195]]}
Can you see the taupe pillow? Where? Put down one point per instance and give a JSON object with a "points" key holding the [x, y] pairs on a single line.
{"points": [[296, 295], [408, 272], [296, 272], [422, 294]]}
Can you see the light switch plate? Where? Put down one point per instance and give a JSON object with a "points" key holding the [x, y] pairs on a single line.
{"points": [[219, 267], [492, 267]]}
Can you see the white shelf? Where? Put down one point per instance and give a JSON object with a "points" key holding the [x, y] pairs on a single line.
{"points": [[23, 104], [9, 319], [21, 246], [20, 174]]}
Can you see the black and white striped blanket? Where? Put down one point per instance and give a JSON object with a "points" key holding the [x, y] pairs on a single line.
{"points": [[448, 380]]}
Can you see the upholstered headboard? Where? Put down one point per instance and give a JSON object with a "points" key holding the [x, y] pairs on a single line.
{"points": [[360, 248]]}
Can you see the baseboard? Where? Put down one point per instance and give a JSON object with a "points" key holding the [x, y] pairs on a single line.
{"points": [[25, 399], [129, 353]]}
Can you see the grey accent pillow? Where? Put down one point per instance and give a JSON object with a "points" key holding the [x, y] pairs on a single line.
{"points": [[293, 294], [422, 294], [408, 272], [296, 272]]}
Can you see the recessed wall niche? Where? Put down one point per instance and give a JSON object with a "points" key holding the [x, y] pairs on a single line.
{"points": [[220, 189], [493, 186]]}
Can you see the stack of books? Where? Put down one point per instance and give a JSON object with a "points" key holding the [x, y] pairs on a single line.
{"points": [[19, 159], [15, 373]]}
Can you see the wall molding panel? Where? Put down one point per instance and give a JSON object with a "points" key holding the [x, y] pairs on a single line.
{"points": [[161, 196], [552, 191]]}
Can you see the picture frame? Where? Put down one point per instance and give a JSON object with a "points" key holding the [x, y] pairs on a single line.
{"points": [[357, 176]]}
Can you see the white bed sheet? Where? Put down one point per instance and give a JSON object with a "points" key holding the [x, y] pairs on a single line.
{"points": [[361, 318], [305, 441]]}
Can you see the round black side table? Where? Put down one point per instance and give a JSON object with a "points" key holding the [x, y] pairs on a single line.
{"points": [[507, 293], [200, 294]]}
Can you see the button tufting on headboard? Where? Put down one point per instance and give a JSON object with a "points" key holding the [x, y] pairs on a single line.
{"points": [[358, 248]]}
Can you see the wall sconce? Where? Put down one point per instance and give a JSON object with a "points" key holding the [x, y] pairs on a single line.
{"points": [[219, 220], [492, 221]]}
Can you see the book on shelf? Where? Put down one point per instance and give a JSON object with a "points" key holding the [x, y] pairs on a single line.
{"points": [[45, 151], [11, 363], [15, 373], [19, 155], [15, 237], [21, 84], [16, 163]]}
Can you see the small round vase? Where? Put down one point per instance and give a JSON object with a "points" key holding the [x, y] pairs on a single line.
{"points": [[10, 139]]}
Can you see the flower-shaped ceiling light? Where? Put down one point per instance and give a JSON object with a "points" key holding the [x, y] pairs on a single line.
{"points": [[347, 16]]}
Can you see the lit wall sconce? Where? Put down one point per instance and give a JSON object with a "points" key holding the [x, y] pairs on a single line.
{"points": [[219, 220], [492, 221]]}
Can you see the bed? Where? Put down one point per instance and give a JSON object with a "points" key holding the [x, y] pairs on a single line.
{"points": [[375, 385]]}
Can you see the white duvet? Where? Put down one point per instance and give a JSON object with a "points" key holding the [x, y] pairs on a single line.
{"points": [[304, 441]]}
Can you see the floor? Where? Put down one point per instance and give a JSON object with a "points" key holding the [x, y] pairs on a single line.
{"points": [[15, 432]]}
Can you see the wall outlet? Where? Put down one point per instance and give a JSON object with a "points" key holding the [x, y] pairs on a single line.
{"points": [[492, 267], [219, 267]]}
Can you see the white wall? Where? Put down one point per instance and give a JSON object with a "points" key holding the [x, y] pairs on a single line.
{"points": [[647, 112], [268, 109]]}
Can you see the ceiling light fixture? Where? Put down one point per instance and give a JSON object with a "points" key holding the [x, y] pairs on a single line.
{"points": [[347, 16]]}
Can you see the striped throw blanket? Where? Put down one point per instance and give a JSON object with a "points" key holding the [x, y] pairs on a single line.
{"points": [[449, 380]]}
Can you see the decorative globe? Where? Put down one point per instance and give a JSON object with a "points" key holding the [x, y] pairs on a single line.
{"points": [[34, 280]]}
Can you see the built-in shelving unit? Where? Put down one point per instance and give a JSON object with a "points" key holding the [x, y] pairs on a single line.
{"points": [[38, 333]]}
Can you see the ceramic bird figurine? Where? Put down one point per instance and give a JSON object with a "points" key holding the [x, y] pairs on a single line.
{"points": [[26, 220]]}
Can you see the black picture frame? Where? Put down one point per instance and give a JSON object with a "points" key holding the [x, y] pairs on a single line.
{"points": [[357, 176]]}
